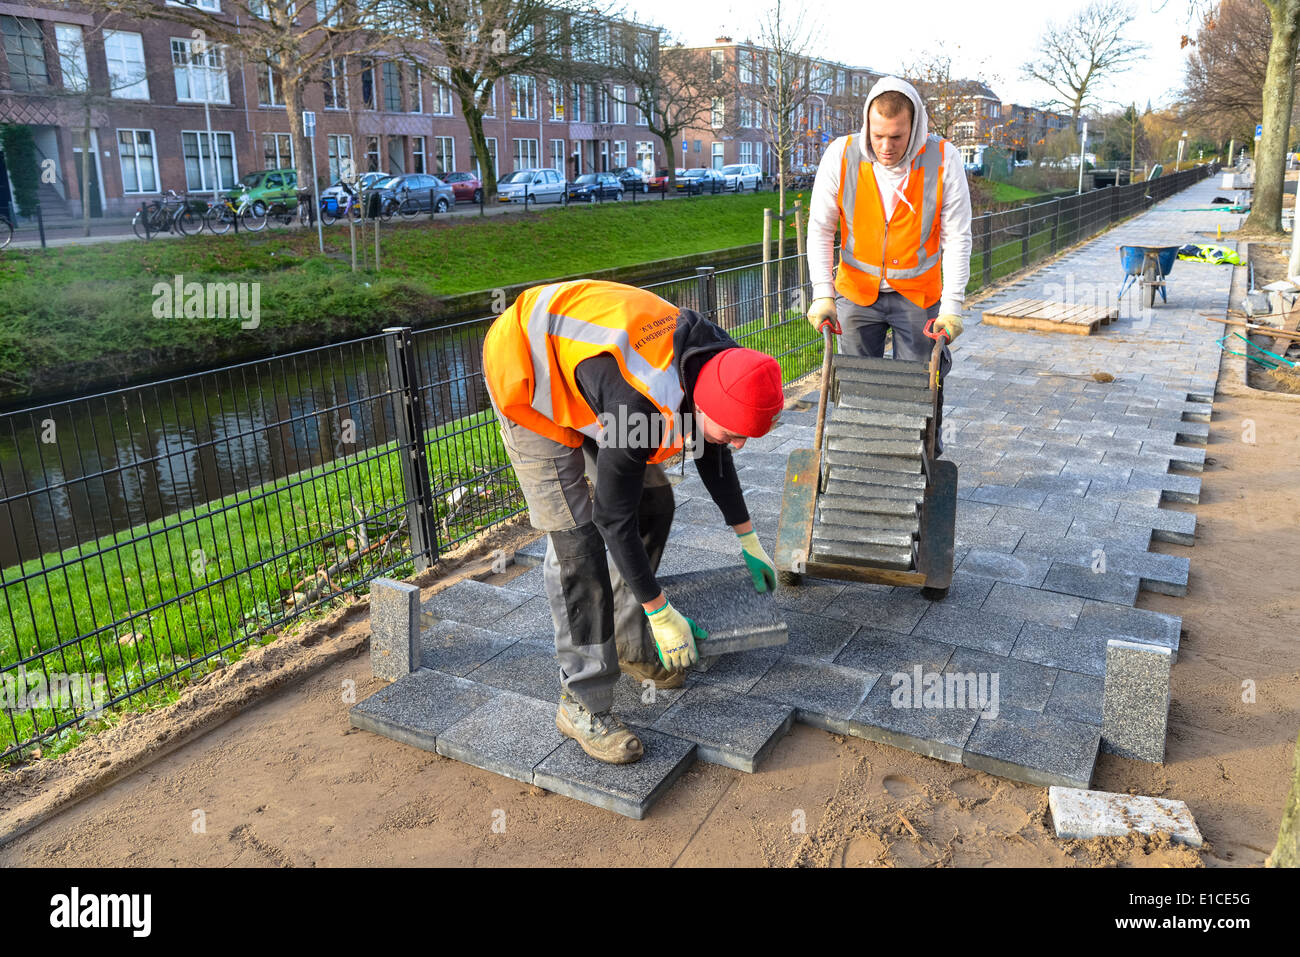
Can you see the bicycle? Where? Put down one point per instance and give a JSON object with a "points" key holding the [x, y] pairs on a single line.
{"points": [[174, 214], [255, 217], [224, 214], [6, 231], [407, 207], [331, 211]]}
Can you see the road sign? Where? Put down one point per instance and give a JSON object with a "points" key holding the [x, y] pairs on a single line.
{"points": [[1259, 131], [308, 124], [826, 137]]}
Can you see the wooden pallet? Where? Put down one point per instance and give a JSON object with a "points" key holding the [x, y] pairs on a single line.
{"points": [[1047, 316]]}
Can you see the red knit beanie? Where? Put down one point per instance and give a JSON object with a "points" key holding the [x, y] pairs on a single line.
{"points": [[740, 389]]}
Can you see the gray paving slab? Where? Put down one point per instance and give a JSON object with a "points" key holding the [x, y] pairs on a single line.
{"points": [[533, 581], [1134, 624], [527, 668], [626, 789], [995, 538], [641, 704], [472, 603], [1166, 525], [417, 708], [1110, 585], [534, 553], [1070, 649], [394, 628], [1015, 569], [893, 715], [1076, 697], [1082, 815], [724, 603], [966, 589], [823, 695], [878, 607], [738, 672], [816, 636], [508, 735], [531, 621], [1010, 682], [1047, 522], [969, 628], [1127, 536], [1032, 604], [889, 653], [1135, 709], [1034, 748], [1009, 495], [457, 649], [728, 728]]}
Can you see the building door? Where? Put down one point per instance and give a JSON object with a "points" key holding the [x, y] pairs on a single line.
{"points": [[396, 155], [96, 202]]}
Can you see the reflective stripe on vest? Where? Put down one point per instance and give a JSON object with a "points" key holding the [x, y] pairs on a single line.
{"points": [[928, 162]]}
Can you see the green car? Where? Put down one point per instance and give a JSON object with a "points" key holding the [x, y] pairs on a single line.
{"points": [[268, 187]]}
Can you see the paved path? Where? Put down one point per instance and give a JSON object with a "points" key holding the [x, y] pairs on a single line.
{"points": [[1060, 491]]}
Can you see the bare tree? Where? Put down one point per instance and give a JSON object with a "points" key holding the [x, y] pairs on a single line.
{"points": [[784, 88], [1279, 98], [949, 100], [482, 41], [1226, 65], [1080, 54]]}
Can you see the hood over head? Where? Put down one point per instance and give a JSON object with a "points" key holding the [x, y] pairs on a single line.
{"points": [[920, 120]]}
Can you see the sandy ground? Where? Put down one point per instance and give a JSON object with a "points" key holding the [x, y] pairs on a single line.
{"points": [[288, 782]]}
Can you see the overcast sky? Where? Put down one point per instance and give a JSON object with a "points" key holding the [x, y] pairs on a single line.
{"points": [[990, 38]]}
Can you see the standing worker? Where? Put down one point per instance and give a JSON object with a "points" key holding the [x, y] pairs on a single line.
{"points": [[900, 199], [602, 380]]}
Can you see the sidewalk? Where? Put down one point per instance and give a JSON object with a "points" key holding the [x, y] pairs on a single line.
{"points": [[1061, 483]]}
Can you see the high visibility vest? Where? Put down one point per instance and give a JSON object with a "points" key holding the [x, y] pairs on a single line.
{"points": [[532, 349], [904, 250]]}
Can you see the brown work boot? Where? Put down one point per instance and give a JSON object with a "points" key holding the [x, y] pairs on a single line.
{"points": [[653, 671], [603, 736]]}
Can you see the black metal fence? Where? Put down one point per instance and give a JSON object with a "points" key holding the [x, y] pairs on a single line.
{"points": [[148, 530]]}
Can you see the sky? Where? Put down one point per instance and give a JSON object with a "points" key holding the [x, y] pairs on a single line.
{"points": [[988, 38]]}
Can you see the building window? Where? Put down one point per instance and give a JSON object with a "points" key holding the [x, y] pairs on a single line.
{"points": [[557, 156], [392, 87], [492, 157], [277, 150], [197, 150], [644, 110], [139, 165], [72, 56], [604, 156], [442, 91], [645, 156], [340, 157], [367, 84], [334, 84], [372, 154], [602, 105], [718, 155], [444, 154], [329, 12], [490, 110], [717, 113], [746, 152], [620, 105], [717, 59], [416, 90], [523, 97], [746, 59], [214, 6], [270, 84], [620, 154], [556, 91], [126, 71], [199, 77], [527, 155], [746, 113], [417, 154]]}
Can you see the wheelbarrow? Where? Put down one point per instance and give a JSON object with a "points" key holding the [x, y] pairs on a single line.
{"points": [[871, 501], [1148, 266]]}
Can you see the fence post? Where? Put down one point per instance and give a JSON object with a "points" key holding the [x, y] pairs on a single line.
{"points": [[403, 379], [705, 276], [767, 257], [1056, 225], [986, 246], [1024, 240], [40, 224], [802, 264]]}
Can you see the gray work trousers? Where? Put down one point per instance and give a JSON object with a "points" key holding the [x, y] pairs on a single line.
{"points": [[598, 620]]}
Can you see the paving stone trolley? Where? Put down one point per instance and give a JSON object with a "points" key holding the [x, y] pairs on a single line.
{"points": [[872, 501]]}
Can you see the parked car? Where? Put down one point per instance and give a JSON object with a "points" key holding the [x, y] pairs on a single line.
{"points": [[742, 176], [467, 186], [336, 193], [659, 180], [268, 187], [701, 180], [587, 187], [426, 191], [531, 186], [632, 179]]}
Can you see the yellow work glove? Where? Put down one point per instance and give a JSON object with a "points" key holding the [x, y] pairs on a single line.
{"points": [[760, 566], [674, 636], [949, 324], [822, 312]]}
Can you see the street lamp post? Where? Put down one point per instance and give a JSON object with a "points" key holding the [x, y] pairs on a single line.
{"points": [[1083, 147]]}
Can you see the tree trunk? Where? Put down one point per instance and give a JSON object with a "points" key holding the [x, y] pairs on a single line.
{"points": [[302, 147], [1279, 95], [477, 139], [1287, 852], [85, 174], [666, 138]]}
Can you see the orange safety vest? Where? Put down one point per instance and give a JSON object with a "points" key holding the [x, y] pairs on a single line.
{"points": [[532, 349], [904, 250]]}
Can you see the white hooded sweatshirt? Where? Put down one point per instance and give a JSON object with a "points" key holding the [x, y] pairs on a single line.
{"points": [[954, 219]]}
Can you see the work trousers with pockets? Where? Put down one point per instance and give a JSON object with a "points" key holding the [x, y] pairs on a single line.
{"points": [[863, 331], [598, 620]]}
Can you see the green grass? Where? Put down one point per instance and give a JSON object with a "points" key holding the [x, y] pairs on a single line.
{"points": [[1006, 193], [78, 313]]}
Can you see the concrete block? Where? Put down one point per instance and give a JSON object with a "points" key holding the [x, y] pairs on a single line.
{"points": [[1008, 495], [640, 704], [1034, 748], [1112, 533], [729, 729], [879, 606], [823, 695], [1135, 710], [457, 649], [997, 538], [627, 789], [738, 672], [1048, 522], [417, 708], [1166, 526], [1076, 697], [1081, 815], [724, 603], [508, 735], [811, 597], [531, 621], [888, 653], [1174, 487], [472, 603], [532, 581], [966, 589], [527, 668], [1111, 585], [1017, 569], [1131, 624], [534, 553], [815, 636], [394, 628], [892, 715], [1069, 649], [1044, 607], [970, 628], [1010, 682], [685, 559]]}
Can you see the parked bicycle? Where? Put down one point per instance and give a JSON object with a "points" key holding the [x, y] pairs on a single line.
{"points": [[225, 213], [6, 231], [175, 213], [256, 216], [331, 210]]}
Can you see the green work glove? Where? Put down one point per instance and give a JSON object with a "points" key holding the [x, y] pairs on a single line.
{"points": [[674, 636], [757, 561], [950, 324]]}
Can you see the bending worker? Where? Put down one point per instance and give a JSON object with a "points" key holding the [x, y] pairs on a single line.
{"points": [[900, 199], [606, 381]]}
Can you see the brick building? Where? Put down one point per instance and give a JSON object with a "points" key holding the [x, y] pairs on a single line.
{"points": [[165, 117]]}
